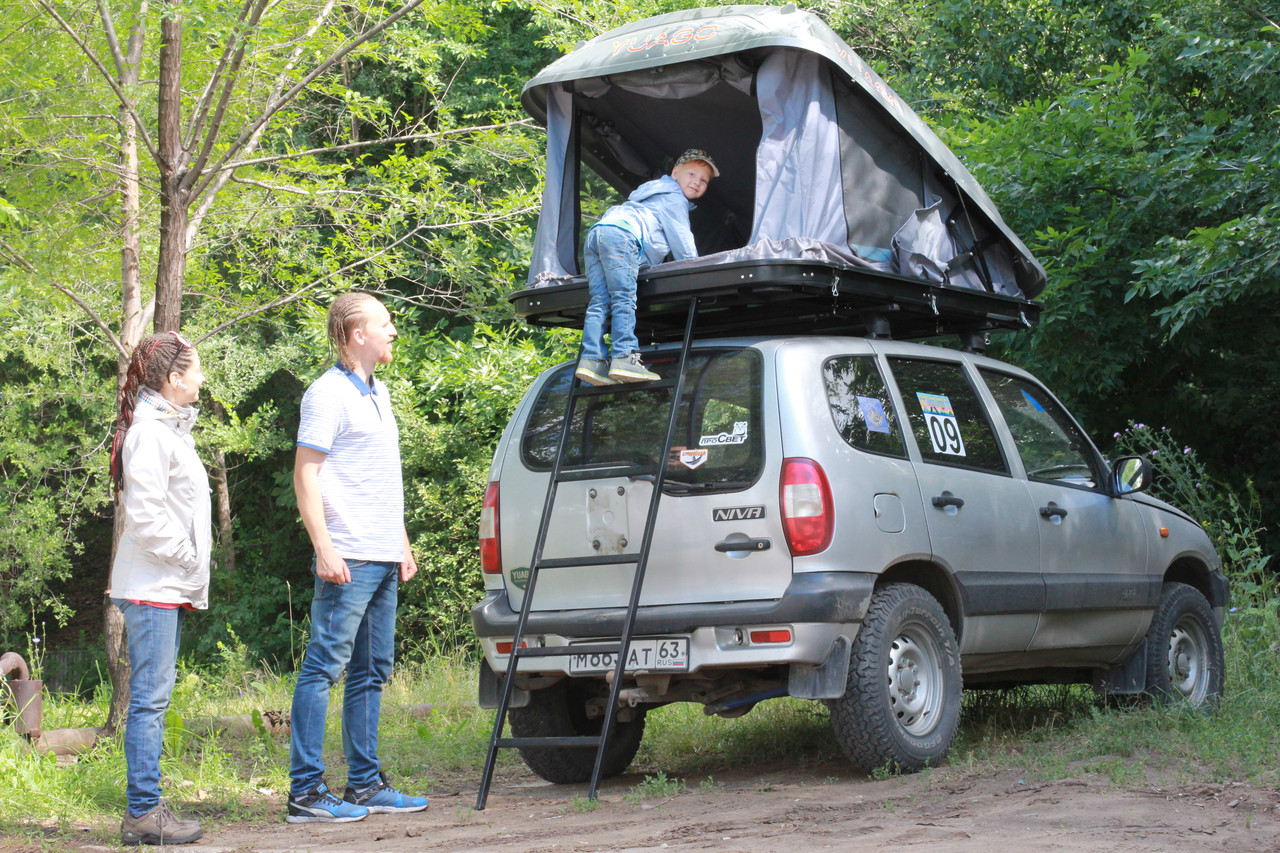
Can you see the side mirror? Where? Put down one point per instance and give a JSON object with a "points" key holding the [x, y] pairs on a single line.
{"points": [[1130, 474]]}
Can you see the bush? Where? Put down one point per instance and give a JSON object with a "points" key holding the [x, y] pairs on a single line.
{"points": [[1233, 523]]}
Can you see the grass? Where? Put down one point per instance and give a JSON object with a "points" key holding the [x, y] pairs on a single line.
{"points": [[1044, 732]]}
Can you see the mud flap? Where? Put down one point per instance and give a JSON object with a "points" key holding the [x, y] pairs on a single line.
{"points": [[1126, 679], [491, 690], [826, 681]]}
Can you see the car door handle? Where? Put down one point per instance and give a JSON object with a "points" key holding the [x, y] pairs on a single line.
{"points": [[1053, 511], [947, 499], [725, 546]]}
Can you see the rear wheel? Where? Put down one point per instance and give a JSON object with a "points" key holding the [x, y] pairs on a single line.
{"points": [[561, 711], [1184, 649], [901, 706]]}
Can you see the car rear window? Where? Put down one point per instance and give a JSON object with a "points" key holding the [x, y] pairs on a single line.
{"points": [[719, 439], [948, 420], [861, 406]]}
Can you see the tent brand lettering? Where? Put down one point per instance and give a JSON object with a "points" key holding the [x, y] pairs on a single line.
{"points": [[683, 35], [736, 513]]}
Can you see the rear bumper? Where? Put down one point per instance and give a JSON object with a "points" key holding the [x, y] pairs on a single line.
{"points": [[832, 597], [816, 608]]}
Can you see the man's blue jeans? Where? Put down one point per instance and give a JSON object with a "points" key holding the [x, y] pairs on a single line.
{"points": [[154, 634], [613, 261], [353, 627]]}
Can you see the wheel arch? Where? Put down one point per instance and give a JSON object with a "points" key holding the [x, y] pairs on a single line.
{"points": [[1193, 572], [934, 580]]}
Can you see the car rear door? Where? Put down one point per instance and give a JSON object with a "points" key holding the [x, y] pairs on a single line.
{"points": [[981, 524], [721, 489]]}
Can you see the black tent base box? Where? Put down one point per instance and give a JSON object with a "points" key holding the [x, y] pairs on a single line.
{"points": [[790, 297]]}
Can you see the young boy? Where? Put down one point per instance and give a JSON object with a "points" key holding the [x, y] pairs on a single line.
{"points": [[653, 221]]}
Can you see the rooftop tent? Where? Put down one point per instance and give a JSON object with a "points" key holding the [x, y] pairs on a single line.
{"points": [[814, 149]]}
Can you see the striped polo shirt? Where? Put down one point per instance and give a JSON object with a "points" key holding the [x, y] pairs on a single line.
{"points": [[360, 480]]}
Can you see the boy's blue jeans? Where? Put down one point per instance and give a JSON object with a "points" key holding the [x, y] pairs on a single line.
{"points": [[353, 627], [153, 635], [613, 261]]}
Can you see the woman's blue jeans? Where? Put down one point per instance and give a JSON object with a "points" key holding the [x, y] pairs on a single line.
{"points": [[154, 634], [353, 627], [613, 261]]}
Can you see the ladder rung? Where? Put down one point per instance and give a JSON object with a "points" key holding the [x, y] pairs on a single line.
{"points": [[593, 560], [561, 651], [549, 741]]}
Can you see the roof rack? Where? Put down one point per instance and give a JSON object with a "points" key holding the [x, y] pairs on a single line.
{"points": [[791, 297]]}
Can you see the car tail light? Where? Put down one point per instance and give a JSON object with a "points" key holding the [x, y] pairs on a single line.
{"points": [[808, 514], [490, 550], [504, 647], [776, 635]]}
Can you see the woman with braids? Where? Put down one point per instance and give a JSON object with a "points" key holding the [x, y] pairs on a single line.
{"points": [[161, 567]]}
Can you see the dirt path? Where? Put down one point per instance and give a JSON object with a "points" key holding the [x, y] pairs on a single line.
{"points": [[799, 810]]}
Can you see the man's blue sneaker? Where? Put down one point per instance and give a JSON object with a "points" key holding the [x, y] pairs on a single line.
{"points": [[320, 805], [382, 798]]}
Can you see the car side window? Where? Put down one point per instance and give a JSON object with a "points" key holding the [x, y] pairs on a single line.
{"points": [[1051, 446], [860, 405], [947, 419]]}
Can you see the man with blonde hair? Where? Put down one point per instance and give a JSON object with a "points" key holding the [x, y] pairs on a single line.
{"points": [[351, 498]]}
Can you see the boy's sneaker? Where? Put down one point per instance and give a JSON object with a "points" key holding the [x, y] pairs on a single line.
{"points": [[158, 826], [629, 369], [320, 805], [594, 372], [382, 798]]}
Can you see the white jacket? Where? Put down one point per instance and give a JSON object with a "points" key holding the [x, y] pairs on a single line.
{"points": [[163, 555]]}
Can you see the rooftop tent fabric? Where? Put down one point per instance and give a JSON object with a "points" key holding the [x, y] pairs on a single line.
{"points": [[799, 190], [816, 144], [555, 242]]}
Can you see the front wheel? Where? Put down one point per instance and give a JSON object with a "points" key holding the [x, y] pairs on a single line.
{"points": [[561, 711], [1184, 649], [901, 705]]}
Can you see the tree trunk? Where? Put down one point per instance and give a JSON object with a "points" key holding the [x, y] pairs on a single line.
{"points": [[222, 488], [175, 199], [132, 320]]}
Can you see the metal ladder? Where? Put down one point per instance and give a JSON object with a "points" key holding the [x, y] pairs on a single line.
{"points": [[560, 473]]}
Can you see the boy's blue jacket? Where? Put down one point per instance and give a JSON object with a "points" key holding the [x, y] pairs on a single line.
{"points": [[657, 214]]}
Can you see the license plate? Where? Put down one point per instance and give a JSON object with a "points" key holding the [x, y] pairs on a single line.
{"points": [[658, 654]]}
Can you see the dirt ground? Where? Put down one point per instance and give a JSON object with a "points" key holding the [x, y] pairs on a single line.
{"points": [[796, 810]]}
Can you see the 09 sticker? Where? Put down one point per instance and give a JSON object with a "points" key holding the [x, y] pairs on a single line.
{"points": [[944, 429]]}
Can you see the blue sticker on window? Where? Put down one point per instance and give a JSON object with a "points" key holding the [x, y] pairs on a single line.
{"points": [[1032, 400], [873, 414]]}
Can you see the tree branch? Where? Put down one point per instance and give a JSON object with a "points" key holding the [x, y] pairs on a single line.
{"points": [[74, 297], [228, 86], [413, 137], [276, 104], [113, 43], [125, 101]]}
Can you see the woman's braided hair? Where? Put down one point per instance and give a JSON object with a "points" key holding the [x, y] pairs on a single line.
{"points": [[152, 362], [345, 314]]}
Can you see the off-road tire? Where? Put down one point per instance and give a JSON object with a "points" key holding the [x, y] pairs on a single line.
{"points": [[560, 711], [901, 705], [1184, 650]]}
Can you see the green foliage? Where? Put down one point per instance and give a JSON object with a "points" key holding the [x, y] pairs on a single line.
{"points": [[654, 787], [1232, 522], [454, 396], [54, 417]]}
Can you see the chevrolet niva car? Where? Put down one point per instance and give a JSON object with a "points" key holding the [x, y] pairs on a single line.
{"points": [[870, 523]]}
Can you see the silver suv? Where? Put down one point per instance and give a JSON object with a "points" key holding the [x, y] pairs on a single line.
{"points": [[871, 523]]}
